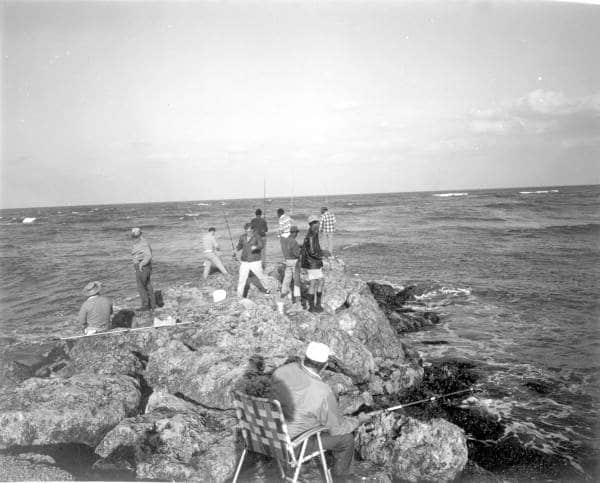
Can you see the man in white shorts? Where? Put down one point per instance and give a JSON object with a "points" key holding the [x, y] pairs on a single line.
{"points": [[312, 261]]}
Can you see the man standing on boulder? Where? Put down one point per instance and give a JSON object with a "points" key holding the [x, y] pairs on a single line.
{"points": [[291, 253], [250, 244], [327, 227], [312, 261], [307, 402], [141, 254], [211, 253], [259, 224]]}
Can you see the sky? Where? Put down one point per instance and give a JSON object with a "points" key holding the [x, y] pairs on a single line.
{"points": [[116, 102]]}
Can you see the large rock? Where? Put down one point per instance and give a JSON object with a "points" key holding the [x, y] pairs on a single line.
{"points": [[414, 450], [175, 440], [80, 409]]}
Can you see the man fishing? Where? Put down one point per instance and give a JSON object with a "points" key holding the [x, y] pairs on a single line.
{"points": [[94, 315], [312, 261], [212, 253], [307, 401], [259, 224], [141, 254], [250, 245]]}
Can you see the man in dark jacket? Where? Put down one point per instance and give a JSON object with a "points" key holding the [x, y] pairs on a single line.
{"points": [[250, 244], [312, 261], [259, 224]]}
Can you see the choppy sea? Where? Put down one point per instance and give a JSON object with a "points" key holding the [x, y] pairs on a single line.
{"points": [[514, 273]]}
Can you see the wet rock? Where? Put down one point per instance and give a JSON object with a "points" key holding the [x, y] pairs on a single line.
{"points": [[174, 440], [414, 450], [31, 467], [80, 409]]}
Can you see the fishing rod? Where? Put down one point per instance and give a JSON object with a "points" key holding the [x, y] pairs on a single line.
{"points": [[420, 401], [119, 332], [230, 237]]}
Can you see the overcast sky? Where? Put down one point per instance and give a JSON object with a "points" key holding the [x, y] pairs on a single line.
{"points": [[109, 102]]}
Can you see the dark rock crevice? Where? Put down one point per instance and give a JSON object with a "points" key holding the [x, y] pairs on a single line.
{"points": [[76, 459]]}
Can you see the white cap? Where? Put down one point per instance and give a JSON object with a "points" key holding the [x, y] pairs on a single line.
{"points": [[135, 232], [219, 295], [318, 352]]}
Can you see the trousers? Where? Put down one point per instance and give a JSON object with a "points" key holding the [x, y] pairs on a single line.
{"points": [[210, 259], [245, 269], [342, 447], [329, 241], [144, 285], [292, 273]]}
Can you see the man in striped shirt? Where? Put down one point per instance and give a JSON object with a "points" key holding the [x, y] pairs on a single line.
{"points": [[327, 227]]}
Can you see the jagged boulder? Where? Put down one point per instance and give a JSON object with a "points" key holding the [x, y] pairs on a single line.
{"points": [[175, 440], [80, 409], [414, 450]]}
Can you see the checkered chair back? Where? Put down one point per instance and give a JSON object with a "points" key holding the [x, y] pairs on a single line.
{"points": [[263, 427]]}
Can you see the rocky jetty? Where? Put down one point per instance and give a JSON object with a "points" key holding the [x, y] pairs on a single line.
{"points": [[156, 403]]}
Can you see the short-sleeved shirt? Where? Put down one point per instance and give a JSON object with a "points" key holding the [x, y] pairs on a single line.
{"points": [[285, 224], [95, 312], [327, 224]]}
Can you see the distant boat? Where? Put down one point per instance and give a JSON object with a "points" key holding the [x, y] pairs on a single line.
{"points": [[28, 220]]}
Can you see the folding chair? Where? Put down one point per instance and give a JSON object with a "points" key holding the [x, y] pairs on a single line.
{"points": [[264, 430]]}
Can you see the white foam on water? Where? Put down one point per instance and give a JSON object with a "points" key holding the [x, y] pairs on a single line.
{"points": [[538, 192], [192, 214], [445, 195], [446, 291], [28, 220], [203, 204]]}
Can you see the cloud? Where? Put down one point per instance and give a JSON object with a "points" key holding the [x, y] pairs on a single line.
{"points": [[539, 112], [346, 105]]}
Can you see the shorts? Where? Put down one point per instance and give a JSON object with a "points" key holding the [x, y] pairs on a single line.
{"points": [[314, 273]]}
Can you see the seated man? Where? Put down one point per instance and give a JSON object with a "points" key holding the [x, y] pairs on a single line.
{"points": [[94, 315], [307, 402]]}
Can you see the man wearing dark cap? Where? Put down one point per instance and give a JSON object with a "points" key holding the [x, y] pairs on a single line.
{"points": [[94, 315], [141, 254], [312, 261], [307, 401], [327, 227], [291, 252], [259, 224]]}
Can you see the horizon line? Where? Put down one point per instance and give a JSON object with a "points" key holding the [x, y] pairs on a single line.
{"points": [[299, 196]]}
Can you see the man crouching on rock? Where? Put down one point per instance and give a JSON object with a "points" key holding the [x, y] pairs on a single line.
{"points": [[307, 402]]}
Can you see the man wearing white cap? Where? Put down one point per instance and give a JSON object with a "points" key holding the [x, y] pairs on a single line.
{"points": [[94, 315], [141, 254], [307, 402]]}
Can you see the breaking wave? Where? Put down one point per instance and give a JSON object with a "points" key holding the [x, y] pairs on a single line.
{"points": [[445, 195]]}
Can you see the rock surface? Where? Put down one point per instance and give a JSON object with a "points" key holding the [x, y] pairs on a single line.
{"points": [[415, 450], [80, 409], [157, 401]]}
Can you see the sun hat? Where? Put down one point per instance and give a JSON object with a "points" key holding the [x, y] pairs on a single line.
{"points": [[92, 288], [312, 219], [294, 229], [219, 296], [318, 352], [135, 232]]}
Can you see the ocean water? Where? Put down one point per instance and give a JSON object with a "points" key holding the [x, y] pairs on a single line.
{"points": [[514, 273]]}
